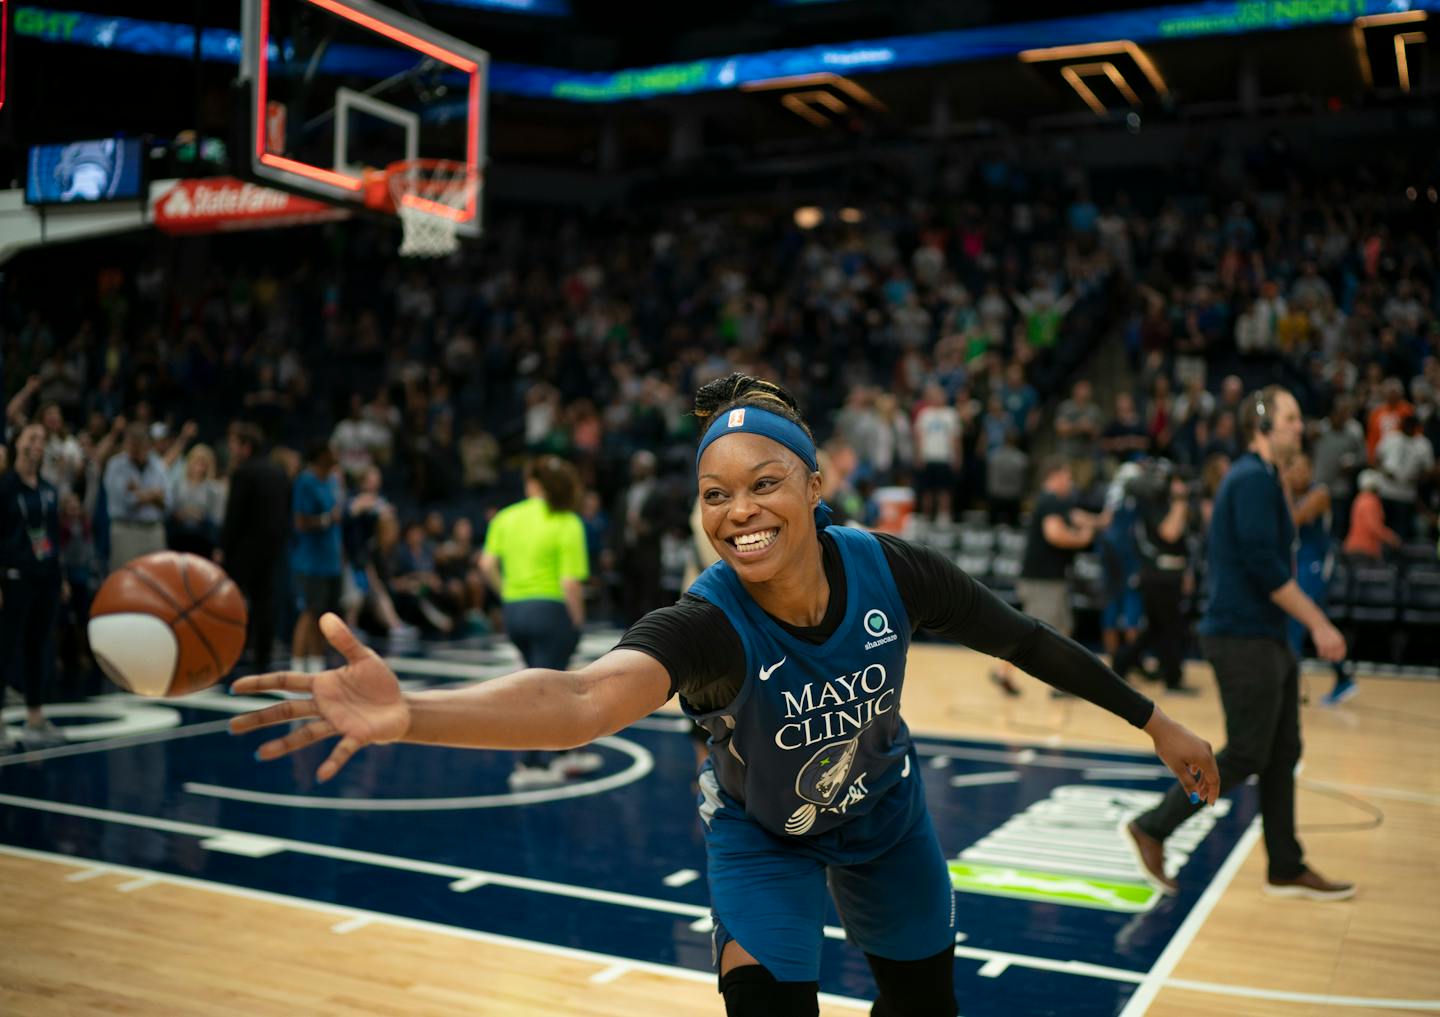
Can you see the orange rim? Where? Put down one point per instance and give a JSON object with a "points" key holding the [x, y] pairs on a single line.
{"points": [[434, 187]]}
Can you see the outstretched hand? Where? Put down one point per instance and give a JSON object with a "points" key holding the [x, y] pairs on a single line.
{"points": [[1188, 755], [359, 701]]}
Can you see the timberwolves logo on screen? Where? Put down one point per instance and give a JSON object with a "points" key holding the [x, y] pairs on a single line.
{"points": [[90, 170]]}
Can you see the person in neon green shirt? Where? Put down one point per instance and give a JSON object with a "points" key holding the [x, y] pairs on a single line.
{"points": [[536, 559]]}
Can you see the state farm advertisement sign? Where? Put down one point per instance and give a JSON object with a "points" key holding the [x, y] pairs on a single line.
{"points": [[225, 203]]}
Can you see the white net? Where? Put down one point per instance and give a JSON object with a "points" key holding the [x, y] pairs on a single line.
{"points": [[431, 196]]}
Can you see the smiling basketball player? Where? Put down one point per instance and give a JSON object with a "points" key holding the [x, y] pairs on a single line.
{"points": [[791, 652]]}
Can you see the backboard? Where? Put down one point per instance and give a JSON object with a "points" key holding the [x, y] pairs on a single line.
{"points": [[340, 89]]}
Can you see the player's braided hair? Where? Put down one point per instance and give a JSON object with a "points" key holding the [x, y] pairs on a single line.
{"points": [[736, 390]]}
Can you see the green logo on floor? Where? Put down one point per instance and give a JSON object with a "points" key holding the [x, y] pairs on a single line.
{"points": [[1052, 887], [1067, 848]]}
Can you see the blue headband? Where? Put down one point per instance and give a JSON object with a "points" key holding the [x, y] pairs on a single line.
{"points": [[754, 420]]}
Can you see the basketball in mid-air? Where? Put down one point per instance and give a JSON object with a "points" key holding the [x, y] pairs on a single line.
{"points": [[167, 624]]}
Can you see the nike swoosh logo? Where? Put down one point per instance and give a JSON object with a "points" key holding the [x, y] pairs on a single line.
{"points": [[766, 672]]}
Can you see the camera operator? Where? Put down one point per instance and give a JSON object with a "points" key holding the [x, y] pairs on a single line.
{"points": [[1163, 500]]}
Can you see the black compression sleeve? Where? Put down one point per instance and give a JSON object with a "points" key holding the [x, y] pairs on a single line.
{"points": [[1065, 664], [697, 645], [944, 600]]}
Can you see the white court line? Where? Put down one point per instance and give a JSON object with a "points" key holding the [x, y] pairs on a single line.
{"points": [[214, 698], [244, 845], [641, 763], [1125, 772], [979, 779], [1305, 997], [1025, 757], [674, 726], [1180, 942], [137, 884], [680, 877], [453, 669], [414, 924], [1378, 792], [83, 875], [610, 974], [124, 742]]}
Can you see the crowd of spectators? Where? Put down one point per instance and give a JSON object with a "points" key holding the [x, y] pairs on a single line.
{"points": [[934, 339], [1327, 287]]}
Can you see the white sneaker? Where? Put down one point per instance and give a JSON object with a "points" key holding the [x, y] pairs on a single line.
{"points": [[314, 665], [436, 617], [576, 763], [403, 639], [524, 778], [45, 736], [298, 664]]}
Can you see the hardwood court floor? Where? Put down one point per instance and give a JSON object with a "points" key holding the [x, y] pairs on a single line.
{"points": [[82, 939]]}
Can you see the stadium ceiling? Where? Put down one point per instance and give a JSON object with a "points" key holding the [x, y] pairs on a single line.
{"points": [[1141, 63], [1179, 23]]}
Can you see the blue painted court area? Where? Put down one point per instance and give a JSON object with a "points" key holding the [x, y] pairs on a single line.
{"points": [[1052, 913]]}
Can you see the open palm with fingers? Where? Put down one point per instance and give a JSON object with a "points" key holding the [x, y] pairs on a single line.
{"points": [[359, 701]]}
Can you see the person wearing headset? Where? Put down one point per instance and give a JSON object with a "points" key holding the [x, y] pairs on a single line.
{"points": [[1253, 593]]}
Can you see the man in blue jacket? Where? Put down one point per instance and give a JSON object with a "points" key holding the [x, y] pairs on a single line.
{"points": [[1243, 634]]}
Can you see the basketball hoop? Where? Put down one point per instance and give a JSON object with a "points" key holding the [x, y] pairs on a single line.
{"points": [[432, 197]]}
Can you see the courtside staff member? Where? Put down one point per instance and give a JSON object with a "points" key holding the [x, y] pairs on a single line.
{"points": [[791, 651], [30, 585], [536, 560], [1252, 591]]}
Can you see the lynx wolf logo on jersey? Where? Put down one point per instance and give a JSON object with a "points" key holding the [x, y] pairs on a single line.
{"points": [[820, 781], [821, 778]]}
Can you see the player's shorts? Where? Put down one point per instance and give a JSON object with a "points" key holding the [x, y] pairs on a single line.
{"points": [[884, 870], [1124, 611]]}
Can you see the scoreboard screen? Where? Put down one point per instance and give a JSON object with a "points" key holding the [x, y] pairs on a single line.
{"points": [[108, 169]]}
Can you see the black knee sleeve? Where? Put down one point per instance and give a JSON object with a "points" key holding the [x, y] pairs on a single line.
{"points": [[752, 991], [918, 988]]}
